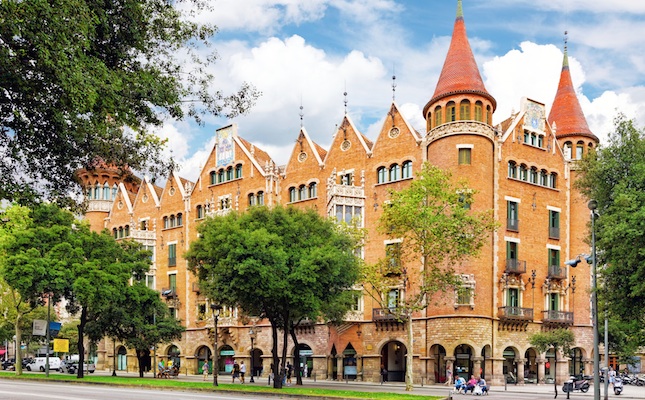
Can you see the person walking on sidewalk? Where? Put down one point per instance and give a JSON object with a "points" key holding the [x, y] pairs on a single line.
{"points": [[448, 376], [205, 370], [242, 371]]}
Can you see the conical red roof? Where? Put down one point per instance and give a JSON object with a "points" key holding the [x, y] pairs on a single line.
{"points": [[460, 73], [566, 111]]}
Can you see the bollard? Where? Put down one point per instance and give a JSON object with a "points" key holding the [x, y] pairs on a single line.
{"points": [[505, 384], [314, 377]]}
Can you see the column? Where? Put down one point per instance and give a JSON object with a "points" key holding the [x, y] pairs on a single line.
{"points": [[478, 368], [359, 367], [520, 370], [541, 370], [339, 367]]}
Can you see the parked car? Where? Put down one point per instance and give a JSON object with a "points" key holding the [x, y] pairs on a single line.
{"points": [[8, 363], [87, 367]]}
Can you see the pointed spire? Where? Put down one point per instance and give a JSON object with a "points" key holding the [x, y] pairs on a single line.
{"points": [[460, 73], [566, 112]]}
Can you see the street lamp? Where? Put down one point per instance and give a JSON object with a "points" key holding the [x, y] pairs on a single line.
{"points": [[252, 334], [593, 205], [216, 308]]}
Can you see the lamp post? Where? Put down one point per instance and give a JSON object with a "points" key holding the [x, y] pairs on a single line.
{"points": [[593, 205], [216, 308], [252, 334], [49, 307]]}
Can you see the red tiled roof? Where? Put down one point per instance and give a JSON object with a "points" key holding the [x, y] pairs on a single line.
{"points": [[566, 111], [460, 73]]}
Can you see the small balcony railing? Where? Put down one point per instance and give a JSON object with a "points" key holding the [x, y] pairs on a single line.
{"points": [[515, 266], [558, 317], [554, 233], [169, 293], [513, 225], [557, 272], [516, 313], [386, 314]]}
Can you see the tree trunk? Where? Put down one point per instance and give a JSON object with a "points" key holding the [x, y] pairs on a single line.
{"points": [[285, 339], [18, 363], [277, 380], [555, 375], [409, 357], [81, 344], [296, 362]]}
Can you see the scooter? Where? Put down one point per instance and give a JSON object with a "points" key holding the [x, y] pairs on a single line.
{"points": [[574, 384], [618, 386]]}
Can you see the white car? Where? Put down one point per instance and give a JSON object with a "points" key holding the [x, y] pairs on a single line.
{"points": [[38, 364]]}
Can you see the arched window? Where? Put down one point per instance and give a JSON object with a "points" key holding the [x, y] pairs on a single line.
{"points": [[238, 171], [381, 175], [200, 212], [229, 173], [394, 172], [97, 192], [171, 222], [478, 112], [88, 193], [180, 219], [407, 170], [523, 172], [579, 150], [165, 223], [313, 190], [533, 175], [120, 232], [464, 110], [115, 233], [115, 189], [220, 176], [544, 178], [512, 170], [106, 191], [251, 199], [554, 179], [567, 150], [127, 231], [213, 177], [438, 117], [302, 192], [489, 115], [451, 112], [292, 194], [260, 198]]}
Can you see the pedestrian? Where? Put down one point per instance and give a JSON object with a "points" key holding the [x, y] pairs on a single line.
{"points": [[162, 369], [271, 374], [289, 370], [612, 376], [236, 371], [242, 371], [205, 370], [305, 371], [448, 376], [383, 374]]}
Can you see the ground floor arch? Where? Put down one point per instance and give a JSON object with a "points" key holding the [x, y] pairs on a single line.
{"points": [[173, 353], [530, 366], [226, 359], [439, 354], [393, 359], [202, 356], [464, 362], [576, 362], [306, 360], [510, 364]]}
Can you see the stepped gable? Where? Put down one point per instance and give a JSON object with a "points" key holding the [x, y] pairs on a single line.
{"points": [[460, 73], [566, 112]]}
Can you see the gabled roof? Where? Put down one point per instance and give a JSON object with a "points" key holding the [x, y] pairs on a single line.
{"points": [[566, 112], [460, 73]]}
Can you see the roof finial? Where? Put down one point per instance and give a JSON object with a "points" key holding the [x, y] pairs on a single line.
{"points": [[345, 101], [460, 10], [302, 114], [565, 62], [393, 85]]}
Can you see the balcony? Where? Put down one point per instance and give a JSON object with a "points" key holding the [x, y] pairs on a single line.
{"points": [[557, 272], [515, 266], [558, 317], [513, 225], [169, 293], [554, 233], [172, 261], [515, 313], [385, 314]]}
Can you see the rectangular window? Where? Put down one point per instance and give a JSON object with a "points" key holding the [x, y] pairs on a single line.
{"points": [[151, 249], [554, 224], [201, 311], [347, 179], [554, 302], [513, 297], [172, 255], [540, 141], [172, 281], [150, 281], [393, 256], [393, 298], [464, 294], [554, 259], [356, 300], [512, 216], [464, 156]]}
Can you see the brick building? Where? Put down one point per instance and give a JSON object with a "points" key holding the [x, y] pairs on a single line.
{"points": [[523, 169]]}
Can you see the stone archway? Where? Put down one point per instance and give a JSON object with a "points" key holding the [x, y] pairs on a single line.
{"points": [[173, 354], [510, 368], [226, 359], [576, 362], [439, 366], [530, 366], [393, 359], [463, 365], [203, 355], [306, 359]]}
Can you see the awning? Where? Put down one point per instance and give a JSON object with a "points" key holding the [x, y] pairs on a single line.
{"points": [[2, 351]]}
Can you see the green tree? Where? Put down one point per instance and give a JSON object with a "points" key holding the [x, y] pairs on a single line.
{"points": [[140, 320], [560, 340], [435, 225], [614, 176], [30, 241], [85, 79], [283, 264]]}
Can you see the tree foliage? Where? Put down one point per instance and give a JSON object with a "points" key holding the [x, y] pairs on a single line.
{"points": [[86, 79], [282, 264], [560, 340], [614, 176], [438, 231]]}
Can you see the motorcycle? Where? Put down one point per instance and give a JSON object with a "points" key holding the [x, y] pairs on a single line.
{"points": [[618, 386], [574, 384]]}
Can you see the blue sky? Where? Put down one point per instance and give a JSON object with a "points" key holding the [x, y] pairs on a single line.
{"points": [[309, 52]]}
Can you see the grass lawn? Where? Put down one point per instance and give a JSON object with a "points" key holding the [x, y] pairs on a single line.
{"points": [[208, 386]]}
